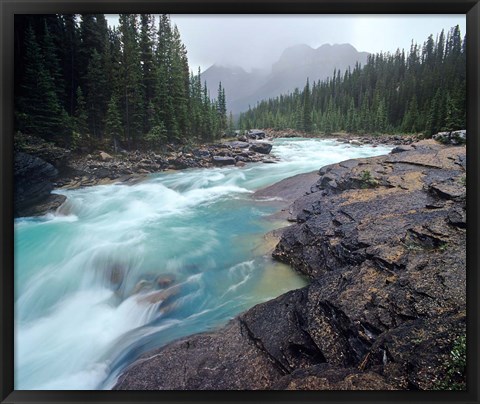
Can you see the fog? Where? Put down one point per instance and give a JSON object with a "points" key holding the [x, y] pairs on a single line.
{"points": [[257, 41]]}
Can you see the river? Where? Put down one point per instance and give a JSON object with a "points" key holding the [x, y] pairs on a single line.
{"points": [[122, 269]]}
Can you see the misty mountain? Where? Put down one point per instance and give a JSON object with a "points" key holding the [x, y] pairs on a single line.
{"points": [[290, 71]]}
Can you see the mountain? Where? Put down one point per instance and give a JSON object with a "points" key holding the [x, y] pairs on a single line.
{"points": [[290, 71], [238, 83]]}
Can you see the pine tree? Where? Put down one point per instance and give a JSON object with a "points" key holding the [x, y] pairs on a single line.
{"points": [[221, 108], [41, 111], [131, 79], [52, 63], [113, 122], [96, 97], [147, 41], [231, 124], [70, 61], [307, 109], [81, 120]]}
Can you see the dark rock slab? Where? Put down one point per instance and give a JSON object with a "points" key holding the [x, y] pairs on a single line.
{"points": [[33, 183], [223, 161], [237, 144], [290, 188], [224, 360], [261, 147]]}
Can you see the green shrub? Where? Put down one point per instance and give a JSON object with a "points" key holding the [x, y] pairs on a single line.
{"points": [[367, 180], [455, 376]]}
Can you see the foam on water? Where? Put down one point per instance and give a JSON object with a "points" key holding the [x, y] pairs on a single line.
{"points": [[123, 269]]}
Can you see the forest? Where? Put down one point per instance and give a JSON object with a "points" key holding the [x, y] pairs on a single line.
{"points": [[423, 91], [83, 84], [80, 83]]}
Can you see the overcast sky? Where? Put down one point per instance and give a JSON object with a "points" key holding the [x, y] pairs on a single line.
{"points": [[257, 41]]}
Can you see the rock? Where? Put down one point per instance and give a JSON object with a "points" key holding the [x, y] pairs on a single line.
{"points": [[203, 362], [237, 144], [33, 183], [160, 296], [261, 147], [142, 285], [453, 137], [105, 156], [387, 298], [104, 172], [223, 161], [201, 153], [51, 203], [401, 149], [165, 280], [36, 146], [256, 134]]}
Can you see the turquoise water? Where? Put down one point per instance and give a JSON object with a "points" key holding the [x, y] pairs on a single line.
{"points": [[120, 269]]}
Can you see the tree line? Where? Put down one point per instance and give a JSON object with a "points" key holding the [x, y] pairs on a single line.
{"points": [[79, 82], [423, 91]]}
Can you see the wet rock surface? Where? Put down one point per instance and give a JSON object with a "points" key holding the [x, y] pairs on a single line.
{"points": [[383, 241], [33, 178]]}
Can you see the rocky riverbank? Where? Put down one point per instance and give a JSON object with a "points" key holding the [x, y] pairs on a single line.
{"points": [[383, 241], [355, 139], [56, 167], [40, 167]]}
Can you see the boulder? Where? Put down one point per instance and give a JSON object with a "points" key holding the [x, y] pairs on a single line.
{"points": [[401, 149], [237, 144], [261, 147], [105, 156], [165, 280], [455, 137], [256, 134], [223, 161], [33, 183]]}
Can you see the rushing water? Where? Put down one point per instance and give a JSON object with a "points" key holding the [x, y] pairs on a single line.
{"points": [[122, 269]]}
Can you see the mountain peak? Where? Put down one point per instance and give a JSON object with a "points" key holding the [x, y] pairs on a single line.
{"points": [[290, 71]]}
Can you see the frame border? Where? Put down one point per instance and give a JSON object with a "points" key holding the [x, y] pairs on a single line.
{"points": [[8, 8]]}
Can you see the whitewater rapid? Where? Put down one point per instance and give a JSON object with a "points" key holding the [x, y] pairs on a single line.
{"points": [[120, 269]]}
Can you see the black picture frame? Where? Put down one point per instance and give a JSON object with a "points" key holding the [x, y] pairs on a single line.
{"points": [[471, 8]]}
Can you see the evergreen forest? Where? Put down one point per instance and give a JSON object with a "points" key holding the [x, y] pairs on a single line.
{"points": [[80, 83], [421, 91]]}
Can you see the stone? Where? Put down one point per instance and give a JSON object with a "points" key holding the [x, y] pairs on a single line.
{"points": [[261, 147], [105, 156], [455, 137], [237, 144], [223, 161], [165, 280], [401, 149], [256, 134], [33, 183]]}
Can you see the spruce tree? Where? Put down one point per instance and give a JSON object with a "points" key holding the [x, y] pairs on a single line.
{"points": [[41, 113], [113, 122], [307, 109]]}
